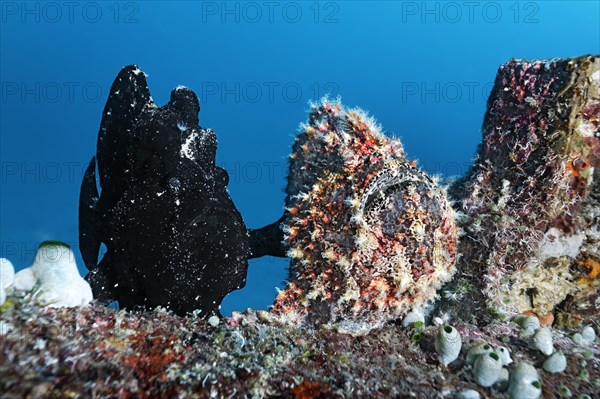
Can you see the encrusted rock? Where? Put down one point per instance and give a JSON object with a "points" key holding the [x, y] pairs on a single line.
{"points": [[532, 198]]}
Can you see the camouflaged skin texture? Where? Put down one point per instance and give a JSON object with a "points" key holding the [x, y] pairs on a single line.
{"points": [[370, 235]]}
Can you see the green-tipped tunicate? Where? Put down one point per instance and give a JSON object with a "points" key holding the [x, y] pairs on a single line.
{"points": [[487, 369], [530, 323], [564, 392], [556, 363], [524, 382], [412, 317], [476, 350], [502, 383], [577, 338], [504, 355], [542, 341], [448, 344], [467, 394], [588, 334]]}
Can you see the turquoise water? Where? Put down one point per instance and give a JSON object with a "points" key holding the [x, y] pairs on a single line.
{"points": [[423, 69]]}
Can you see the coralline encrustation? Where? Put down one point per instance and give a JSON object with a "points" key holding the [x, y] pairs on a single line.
{"points": [[532, 199], [174, 237], [370, 235]]}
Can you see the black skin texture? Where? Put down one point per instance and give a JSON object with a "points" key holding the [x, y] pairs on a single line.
{"points": [[268, 240], [173, 235]]}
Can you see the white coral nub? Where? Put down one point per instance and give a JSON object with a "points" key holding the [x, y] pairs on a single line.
{"points": [[447, 344], [55, 277], [488, 367], [524, 382]]}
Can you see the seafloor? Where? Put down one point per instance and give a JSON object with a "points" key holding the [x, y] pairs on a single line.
{"points": [[96, 351]]}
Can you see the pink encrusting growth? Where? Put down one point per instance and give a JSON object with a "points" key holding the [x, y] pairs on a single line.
{"points": [[370, 235]]}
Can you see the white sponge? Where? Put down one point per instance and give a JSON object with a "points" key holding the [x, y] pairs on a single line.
{"points": [[7, 276], [7, 273], [25, 280], [55, 277]]}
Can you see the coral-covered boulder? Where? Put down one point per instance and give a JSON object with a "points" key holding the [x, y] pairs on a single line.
{"points": [[173, 236], [369, 234], [532, 199]]}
